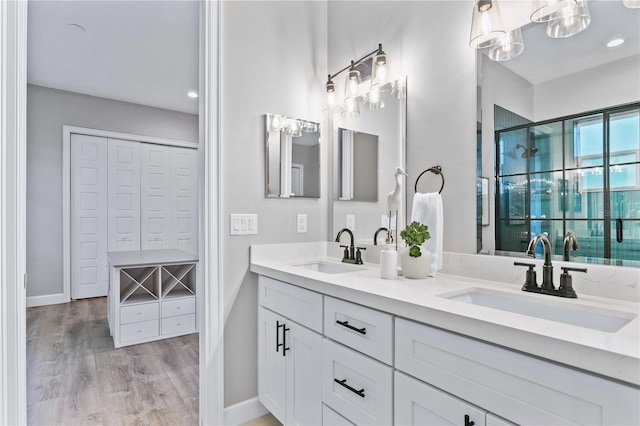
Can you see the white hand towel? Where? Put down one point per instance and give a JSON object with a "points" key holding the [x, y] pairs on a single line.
{"points": [[427, 209]]}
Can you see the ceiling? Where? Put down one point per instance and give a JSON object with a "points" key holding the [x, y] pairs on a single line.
{"points": [[545, 58], [145, 52]]}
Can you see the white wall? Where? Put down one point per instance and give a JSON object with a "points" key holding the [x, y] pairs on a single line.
{"points": [[273, 60], [47, 111]]}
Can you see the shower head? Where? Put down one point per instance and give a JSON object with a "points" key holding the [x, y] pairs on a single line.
{"points": [[526, 153]]}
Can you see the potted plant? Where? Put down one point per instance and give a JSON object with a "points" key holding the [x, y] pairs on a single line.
{"points": [[415, 260]]}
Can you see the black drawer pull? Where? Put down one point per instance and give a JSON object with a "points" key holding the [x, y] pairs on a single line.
{"points": [[468, 421], [362, 330], [343, 382], [278, 344]]}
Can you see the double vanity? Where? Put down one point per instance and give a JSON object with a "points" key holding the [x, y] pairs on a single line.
{"points": [[338, 345]]}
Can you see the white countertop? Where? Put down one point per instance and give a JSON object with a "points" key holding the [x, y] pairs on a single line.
{"points": [[615, 355], [149, 257]]}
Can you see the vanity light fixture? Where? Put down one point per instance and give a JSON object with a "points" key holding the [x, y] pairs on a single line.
{"points": [[632, 4], [545, 10], [373, 66], [570, 20], [509, 47], [293, 127], [486, 24]]}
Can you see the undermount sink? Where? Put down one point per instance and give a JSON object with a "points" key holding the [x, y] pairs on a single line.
{"points": [[579, 315], [329, 268]]}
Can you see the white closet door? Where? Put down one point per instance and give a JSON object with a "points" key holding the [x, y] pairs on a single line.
{"points": [[158, 218], [89, 265], [124, 195], [184, 178]]}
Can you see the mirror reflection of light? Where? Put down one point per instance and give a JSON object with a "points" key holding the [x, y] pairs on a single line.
{"points": [[615, 42]]}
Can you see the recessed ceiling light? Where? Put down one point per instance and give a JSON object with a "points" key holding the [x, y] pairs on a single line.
{"points": [[76, 28], [192, 94], [617, 41]]}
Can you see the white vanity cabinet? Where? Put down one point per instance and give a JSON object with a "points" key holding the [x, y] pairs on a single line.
{"points": [[289, 354], [152, 295]]}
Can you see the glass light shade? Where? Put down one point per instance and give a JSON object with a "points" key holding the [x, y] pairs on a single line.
{"points": [[632, 4], [380, 78], [276, 122], [509, 47], [352, 82], [375, 99], [486, 24], [294, 128], [333, 103], [545, 10], [570, 21], [352, 108], [309, 127]]}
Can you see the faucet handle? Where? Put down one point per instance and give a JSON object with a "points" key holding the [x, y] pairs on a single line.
{"points": [[531, 281], [570, 268], [566, 284], [359, 255], [346, 252]]}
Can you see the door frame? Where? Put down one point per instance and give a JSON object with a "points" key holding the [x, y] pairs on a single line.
{"points": [[67, 132], [13, 164]]}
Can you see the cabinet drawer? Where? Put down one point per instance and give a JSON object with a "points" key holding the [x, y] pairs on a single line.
{"points": [[331, 418], [298, 304], [364, 329], [179, 324], [139, 330], [137, 313], [172, 308], [364, 395], [518, 387]]}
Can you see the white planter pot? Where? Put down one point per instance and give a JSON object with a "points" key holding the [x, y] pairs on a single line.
{"points": [[415, 267]]}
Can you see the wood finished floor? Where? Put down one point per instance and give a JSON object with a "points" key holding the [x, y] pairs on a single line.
{"points": [[75, 376]]}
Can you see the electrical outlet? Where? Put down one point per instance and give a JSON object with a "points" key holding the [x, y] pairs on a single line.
{"points": [[301, 221], [384, 221], [351, 222]]}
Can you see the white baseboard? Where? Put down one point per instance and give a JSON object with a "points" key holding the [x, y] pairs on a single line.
{"points": [[243, 412], [47, 299]]}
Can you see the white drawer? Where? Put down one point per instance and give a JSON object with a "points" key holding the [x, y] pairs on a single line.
{"points": [[331, 418], [517, 387], [179, 325], [137, 313], [298, 304], [172, 308], [364, 395], [364, 329], [139, 330]]}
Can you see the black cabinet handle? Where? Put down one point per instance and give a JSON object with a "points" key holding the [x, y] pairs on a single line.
{"points": [[362, 330], [467, 421], [284, 339], [619, 235], [343, 382], [278, 344]]}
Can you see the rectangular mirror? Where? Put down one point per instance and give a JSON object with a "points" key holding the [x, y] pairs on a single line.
{"points": [[292, 157], [357, 166]]}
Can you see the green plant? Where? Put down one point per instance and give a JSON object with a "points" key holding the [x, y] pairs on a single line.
{"points": [[415, 235]]}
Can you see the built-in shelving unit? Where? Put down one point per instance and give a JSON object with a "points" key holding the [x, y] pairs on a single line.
{"points": [[152, 295]]}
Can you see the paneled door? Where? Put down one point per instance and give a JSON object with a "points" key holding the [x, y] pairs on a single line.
{"points": [[89, 265], [124, 195], [184, 197], [158, 218]]}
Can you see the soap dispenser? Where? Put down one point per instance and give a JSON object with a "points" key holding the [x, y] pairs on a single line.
{"points": [[389, 262]]}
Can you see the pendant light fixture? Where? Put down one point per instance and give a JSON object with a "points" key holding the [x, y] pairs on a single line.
{"points": [[380, 73], [352, 82], [509, 47], [333, 104], [545, 10], [569, 20], [486, 24]]}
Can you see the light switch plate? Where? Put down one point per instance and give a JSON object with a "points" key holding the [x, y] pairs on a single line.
{"points": [[351, 222], [243, 224], [301, 223]]}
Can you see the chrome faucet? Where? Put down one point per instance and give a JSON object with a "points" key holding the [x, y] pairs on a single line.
{"points": [[570, 243], [547, 269], [350, 253], [388, 240]]}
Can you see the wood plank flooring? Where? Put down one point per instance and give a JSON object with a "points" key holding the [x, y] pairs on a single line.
{"points": [[75, 376]]}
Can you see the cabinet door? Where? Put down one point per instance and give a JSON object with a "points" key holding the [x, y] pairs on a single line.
{"points": [[304, 386], [271, 364], [89, 265], [157, 214], [417, 403], [184, 197], [124, 195]]}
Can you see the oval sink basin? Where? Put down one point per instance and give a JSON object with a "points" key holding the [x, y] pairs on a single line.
{"points": [[579, 315], [330, 268]]}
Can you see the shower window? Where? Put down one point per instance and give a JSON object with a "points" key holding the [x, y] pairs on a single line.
{"points": [[579, 173]]}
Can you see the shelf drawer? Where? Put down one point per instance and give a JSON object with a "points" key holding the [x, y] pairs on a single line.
{"points": [[172, 308], [139, 330], [298, 304], [137, 313], [179, 325], [364, 329], [331, 418], [369, 401]]}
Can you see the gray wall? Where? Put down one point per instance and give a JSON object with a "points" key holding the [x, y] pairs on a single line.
{"points": [[273, 60], [47, 111]]}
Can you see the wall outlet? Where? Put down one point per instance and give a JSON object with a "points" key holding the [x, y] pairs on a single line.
{"points": [[243, 224], [384, 221], [351, 222], [301, 223]]}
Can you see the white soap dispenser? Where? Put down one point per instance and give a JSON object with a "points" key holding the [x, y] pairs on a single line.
{"points": [[389, 262]]}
